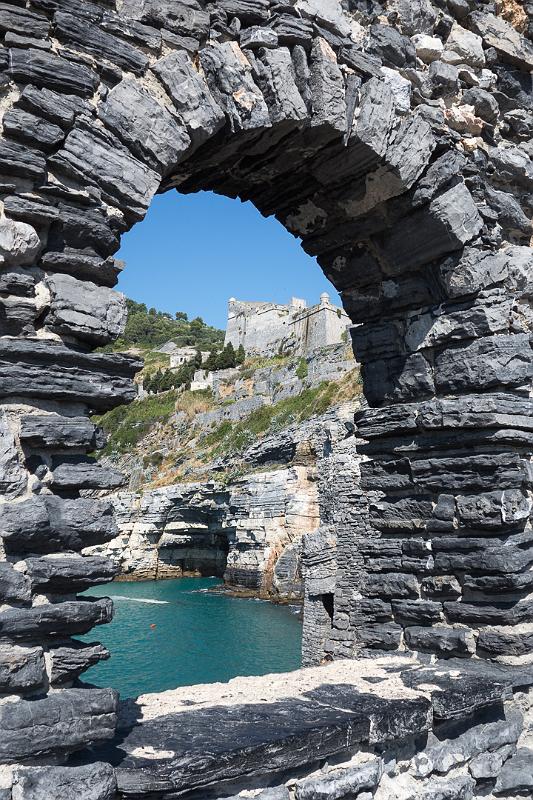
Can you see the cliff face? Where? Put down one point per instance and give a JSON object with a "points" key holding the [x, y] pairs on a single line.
{"points": [[239, 532], [248, 531], [169, 532], [242, 465]]}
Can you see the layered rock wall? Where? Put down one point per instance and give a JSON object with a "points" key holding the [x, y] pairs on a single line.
{"points": [[396, 143]]}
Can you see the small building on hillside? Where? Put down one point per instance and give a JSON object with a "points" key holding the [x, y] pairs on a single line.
{"points": [[267, 329], [180, 355]]}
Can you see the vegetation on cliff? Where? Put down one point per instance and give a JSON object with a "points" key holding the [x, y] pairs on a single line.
{"points": [[148, 328]]}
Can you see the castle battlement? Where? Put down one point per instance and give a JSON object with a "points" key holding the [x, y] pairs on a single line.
{"points": [[267, 329]]}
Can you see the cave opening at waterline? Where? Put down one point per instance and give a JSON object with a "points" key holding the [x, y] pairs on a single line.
{"points": [[215, 294]]}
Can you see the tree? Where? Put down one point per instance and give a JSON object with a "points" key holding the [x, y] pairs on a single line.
{"points": [[181, 315], [240, 355], [196, 362], [211, 362], [227, 359]]}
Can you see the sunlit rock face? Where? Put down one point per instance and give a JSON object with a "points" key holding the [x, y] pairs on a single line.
{"points": [[405, 167]]}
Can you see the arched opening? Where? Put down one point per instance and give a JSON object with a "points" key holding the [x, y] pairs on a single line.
{"points": [[206, 526]]}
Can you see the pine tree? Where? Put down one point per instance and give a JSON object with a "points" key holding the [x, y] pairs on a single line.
{"points": [[240, 355], [226, 359]]}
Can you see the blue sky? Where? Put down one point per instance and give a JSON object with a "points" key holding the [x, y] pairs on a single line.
{"points": [[193, 252]]}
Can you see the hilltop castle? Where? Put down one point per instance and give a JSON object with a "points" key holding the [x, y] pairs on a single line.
{"points": [[267, 329]]}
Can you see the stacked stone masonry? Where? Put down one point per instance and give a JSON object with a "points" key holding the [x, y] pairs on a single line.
{"points": [[394, 138]]}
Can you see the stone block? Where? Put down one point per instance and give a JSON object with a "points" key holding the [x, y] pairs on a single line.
{"points": [[153, 135], [55, 619], [414, 16], [450, 222], [196, 106], [380, 637], [84, 473], [15, 588], [47, 523], [493, 511], [13, 477], [49, 70], [517, 774], [416, 612], [37, 132], [82, 309], [504, 642], [341, 783], [22, 669], [464, 47], [95, 781], [278, 84], [492, 362], [76, 31], [60, 109], [47, 369], [66, 721], [506, 40], [70, 660], [390, 586], [52, 431], [230, 81], [95, 155], [19, 243], [64, 573], [444, 642]]}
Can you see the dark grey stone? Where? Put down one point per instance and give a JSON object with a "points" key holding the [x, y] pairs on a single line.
{"points": [[388, 44], [445, 642], [16, 159], [158, 138], [235, 741], [494, 643], [96, 156], [55, 432], [417, 612], [26, 127], [23, 21], [89, 312], [85, 474], [66, 720], [516, 774], [104, 380], [83, 265], [73, 30], [92, 782], [444, 78], [22, 669], [59, 109], [47, 523], [341, 783], [190, 95], [15, 588], [57, 619], [484, 103], [50, 71], [498, 33], [69, 661], [69, 573]]}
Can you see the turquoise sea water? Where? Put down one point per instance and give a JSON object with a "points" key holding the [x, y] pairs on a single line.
{"points": [[198, 637]]}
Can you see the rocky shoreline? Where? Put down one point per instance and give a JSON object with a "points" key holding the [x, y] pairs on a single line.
{"points": [[248, 531]]}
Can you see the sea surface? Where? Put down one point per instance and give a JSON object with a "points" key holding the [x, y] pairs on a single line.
{"points": [[175, 633]]}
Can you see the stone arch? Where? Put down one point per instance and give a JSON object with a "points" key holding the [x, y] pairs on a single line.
{"points": [[306, 111]]}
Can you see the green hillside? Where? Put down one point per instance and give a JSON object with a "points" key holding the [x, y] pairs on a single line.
{"points": [[148, 328]]}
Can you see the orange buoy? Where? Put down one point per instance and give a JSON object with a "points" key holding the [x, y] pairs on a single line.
{"points": [[152, 625]]}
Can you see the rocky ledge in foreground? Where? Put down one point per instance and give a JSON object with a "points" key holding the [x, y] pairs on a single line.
{"points": [[388, 729]]}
